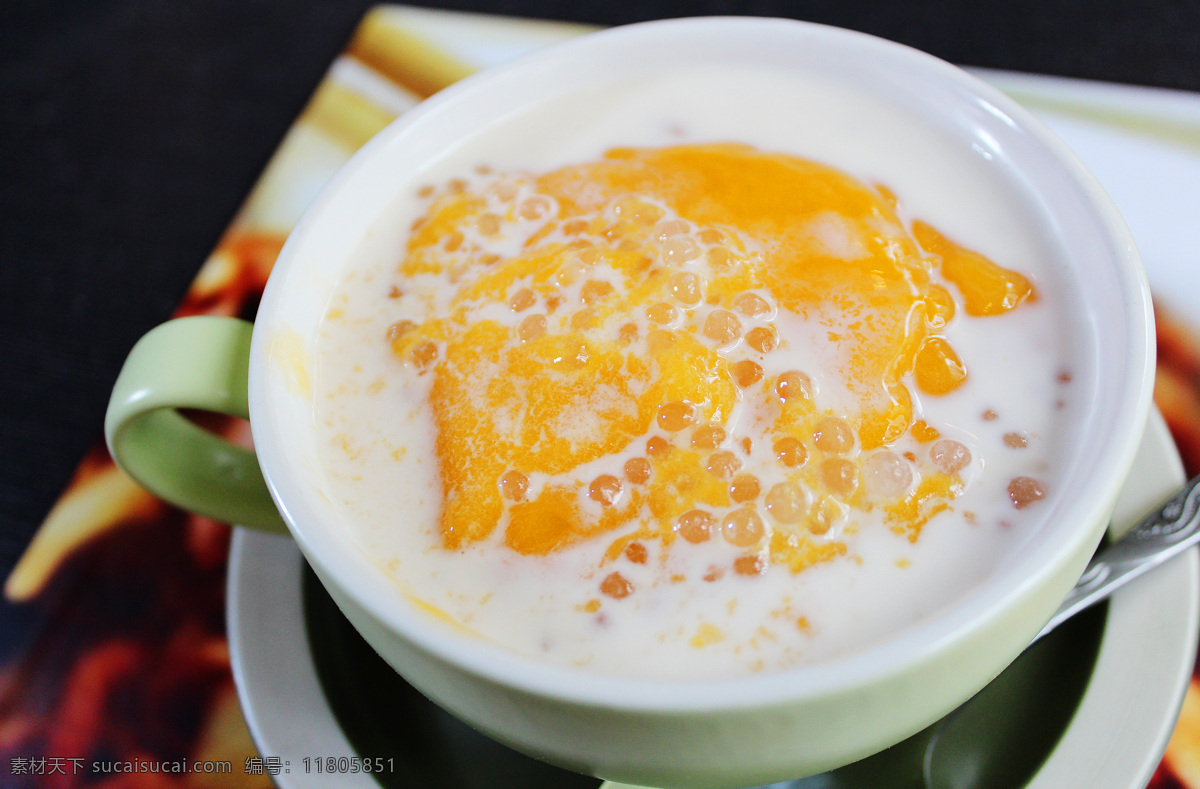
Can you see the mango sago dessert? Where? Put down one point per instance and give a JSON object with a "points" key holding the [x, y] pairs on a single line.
{"points": [[667, 391]]}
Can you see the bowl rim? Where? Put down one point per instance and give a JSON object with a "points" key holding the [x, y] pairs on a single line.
{"points": [[913, 650]]}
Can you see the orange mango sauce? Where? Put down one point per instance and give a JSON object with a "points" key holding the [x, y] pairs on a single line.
{"points": [[623, 373]]}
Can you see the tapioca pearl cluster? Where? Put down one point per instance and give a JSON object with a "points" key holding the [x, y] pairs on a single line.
{"points": [[679, 419], [745, 336], [637, 211], [1023, 490], [419, 355], [684, 253], [709, 247], [745, 326], [834, 477], [581, 284], [605, 489], [620, 225], [834, 437], [740, 330], [631, 222], [953, 457], [689, 256], [693, 254], [615, 584], [742, 325], [625, 222], [761, 506], [741, 528], [513, 214]]}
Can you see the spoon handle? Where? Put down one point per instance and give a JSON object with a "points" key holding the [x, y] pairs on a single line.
{"points": [[1164, 533]]}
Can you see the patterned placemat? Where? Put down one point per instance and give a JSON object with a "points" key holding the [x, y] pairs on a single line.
{"points": [[114, 664]]}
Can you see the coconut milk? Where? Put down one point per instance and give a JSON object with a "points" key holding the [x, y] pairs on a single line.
{"points": [[644, 598]]}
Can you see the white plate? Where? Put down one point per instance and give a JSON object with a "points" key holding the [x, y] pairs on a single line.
{"points": [[1122, 725]]}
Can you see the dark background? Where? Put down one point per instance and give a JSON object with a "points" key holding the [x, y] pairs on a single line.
{"points": [[130, 131]]}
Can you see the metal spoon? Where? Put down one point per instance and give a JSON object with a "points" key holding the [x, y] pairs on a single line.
{"points": [[944, 749], [1163, 534]]}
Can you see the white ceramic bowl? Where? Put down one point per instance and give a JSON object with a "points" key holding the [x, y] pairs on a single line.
{"points": [[754, 729]]}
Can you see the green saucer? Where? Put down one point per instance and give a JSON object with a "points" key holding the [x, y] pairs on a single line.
{"points": [[997, 742]]}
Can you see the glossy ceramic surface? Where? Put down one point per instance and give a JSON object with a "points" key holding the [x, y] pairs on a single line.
{"points": [[661, 732]]}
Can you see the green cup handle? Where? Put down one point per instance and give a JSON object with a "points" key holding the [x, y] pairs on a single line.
{"points": [[202, 363]]}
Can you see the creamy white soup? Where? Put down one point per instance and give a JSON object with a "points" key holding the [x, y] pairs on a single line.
{"points": [[717, 373]]}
